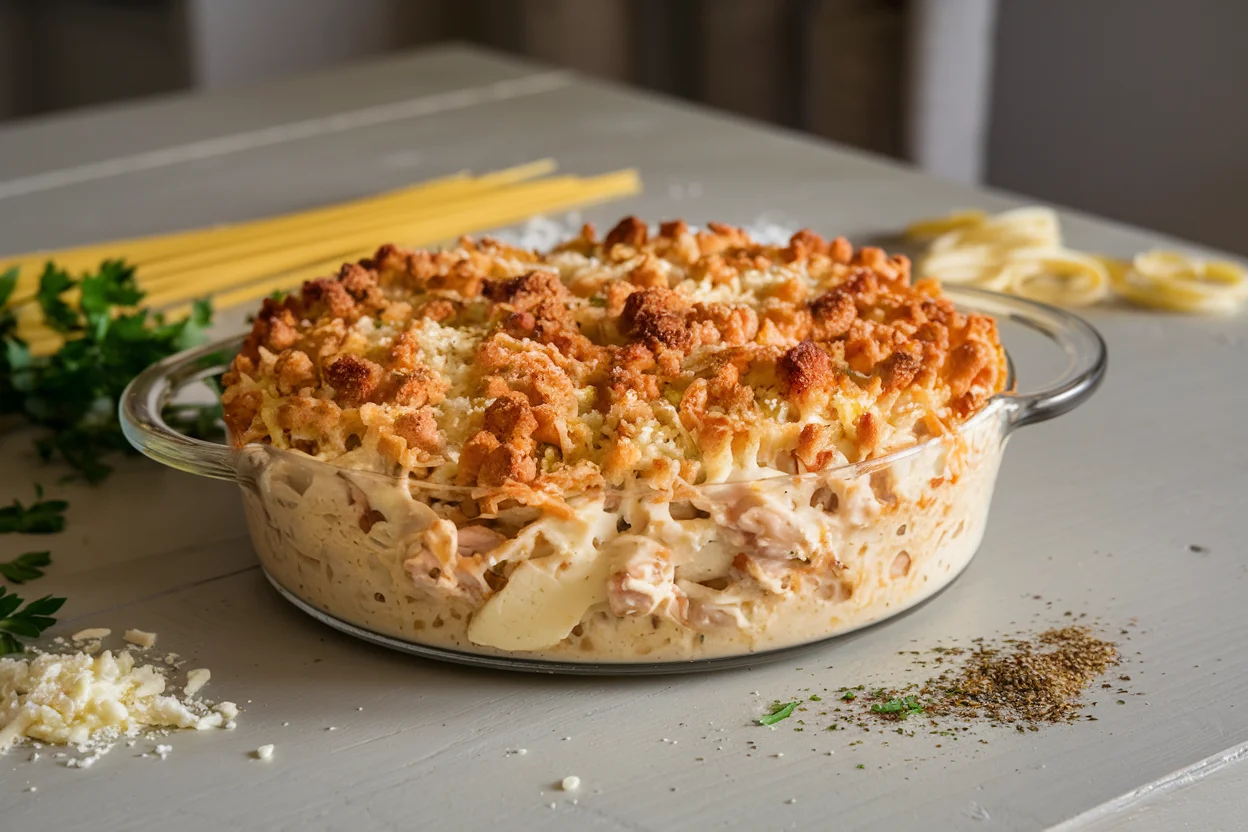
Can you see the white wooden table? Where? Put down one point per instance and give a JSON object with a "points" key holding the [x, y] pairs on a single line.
{"points": [[1094, 512]]}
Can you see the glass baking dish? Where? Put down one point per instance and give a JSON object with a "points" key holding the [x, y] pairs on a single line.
{"points": [[620, 581]]}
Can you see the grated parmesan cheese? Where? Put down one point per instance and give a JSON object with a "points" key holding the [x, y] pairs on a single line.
{"points": [[264, 752], [91, 702]]}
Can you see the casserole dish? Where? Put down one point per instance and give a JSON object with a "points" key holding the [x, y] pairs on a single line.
{"points": [[648, 576]]}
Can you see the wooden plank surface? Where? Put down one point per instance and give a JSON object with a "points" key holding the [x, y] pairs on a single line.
{"points": [[1093, 512]]}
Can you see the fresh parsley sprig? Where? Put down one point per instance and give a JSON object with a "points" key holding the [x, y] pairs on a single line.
{"points": [[25, 567], [108, 341], [41, 517], [29, 621], [900, 707], [74, 393], [778, 712]]}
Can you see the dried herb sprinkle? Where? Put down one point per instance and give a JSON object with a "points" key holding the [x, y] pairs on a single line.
{"points": [[1018, 681], [1027, 681]]}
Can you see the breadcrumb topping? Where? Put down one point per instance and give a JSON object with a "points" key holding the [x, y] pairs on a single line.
{"points": [[680, 358]]}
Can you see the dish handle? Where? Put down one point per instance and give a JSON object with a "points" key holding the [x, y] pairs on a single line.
{"points": [[143, 403], [1086, 353]]}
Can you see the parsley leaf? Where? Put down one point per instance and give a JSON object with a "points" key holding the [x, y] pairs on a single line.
{"points": [[778, 712], [13, 353], [42, 517], [53, 283], [112, 286], [25, 567], [24, 622], [902, 707], [74, 392], [8, 282]]}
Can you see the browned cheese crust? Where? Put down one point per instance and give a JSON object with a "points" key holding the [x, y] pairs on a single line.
{"points": [[661, 360]]}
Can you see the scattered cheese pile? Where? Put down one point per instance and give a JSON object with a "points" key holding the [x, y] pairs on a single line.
{"points": [[1022, 251], [92, 700]]}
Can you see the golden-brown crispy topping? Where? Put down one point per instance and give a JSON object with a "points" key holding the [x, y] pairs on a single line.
{"points": [[655, 356], [869, 432], [673, 229], [404, 353], [816, 446], [504, 464], [832, 314], [331, 295], [966, 365], [656, 317], [473, 456], [353, 378], [630, 231], [899, 370], [528, 291], [840, 251], [416, 388], [420, 430], [806, 367], [510, 418], [294, 370]]}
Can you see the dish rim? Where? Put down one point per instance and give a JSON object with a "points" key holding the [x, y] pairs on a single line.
{"points": [[144, 399]]}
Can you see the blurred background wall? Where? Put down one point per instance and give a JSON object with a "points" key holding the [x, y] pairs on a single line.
{"points": [[1129, 108], [1137, 109]]}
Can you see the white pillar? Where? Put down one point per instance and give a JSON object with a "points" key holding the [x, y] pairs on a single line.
{"points": [[243, 41], [950, 86]]}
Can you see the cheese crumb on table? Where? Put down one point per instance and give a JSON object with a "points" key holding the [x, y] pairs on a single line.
{"points": [[196, 679], [570, 783], [140, 638], [264, 752], [91, 633]]}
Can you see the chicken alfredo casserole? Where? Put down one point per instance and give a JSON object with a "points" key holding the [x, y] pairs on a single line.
{"points": [[634, 448]]}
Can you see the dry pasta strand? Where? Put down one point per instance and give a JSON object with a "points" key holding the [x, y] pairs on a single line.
{"points": [[144, 250], [1172, 280], [927, 229], [248, 277], [1022, 251], [475, 218]]}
